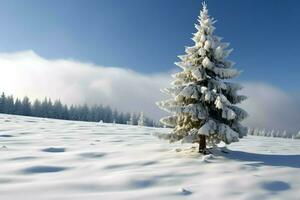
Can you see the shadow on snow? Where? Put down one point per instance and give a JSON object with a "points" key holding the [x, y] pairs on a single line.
{"points": [[265, 159]]}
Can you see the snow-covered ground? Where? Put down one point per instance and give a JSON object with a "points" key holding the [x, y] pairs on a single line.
{"points": [[56, 159]]}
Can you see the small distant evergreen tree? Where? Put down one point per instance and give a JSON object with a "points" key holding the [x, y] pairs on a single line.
{"points": [[9, 104], [284, 134], [37, 108], [65, 112], [57, 109], [121, 118], [127, 118], [255, 131], [72, 112], [2, 103], [84, 112], [131, 119], [115, 116], [141, 121], [262, 132], [26, 106], [17, 107], [297, 136], [272, 133], [108, 114]]}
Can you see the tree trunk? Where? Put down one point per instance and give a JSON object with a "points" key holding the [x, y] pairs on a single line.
{"points": [[202, 144]]}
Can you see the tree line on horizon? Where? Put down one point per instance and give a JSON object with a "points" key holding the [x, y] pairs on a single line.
{"points": [[273, 133], [57, 110]]}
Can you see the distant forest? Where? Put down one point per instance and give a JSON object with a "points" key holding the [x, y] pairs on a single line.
{"points": [[57, 110]]}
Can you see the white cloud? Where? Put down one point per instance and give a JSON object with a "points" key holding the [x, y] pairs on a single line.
{"points": [[26, 73], [270, 107], [74, 82]]}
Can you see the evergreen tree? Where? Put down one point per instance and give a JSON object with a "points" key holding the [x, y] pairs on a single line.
{"points": [[203, 103], [131, 119], [9, 105], [115, 116], [107, 115], [284, 134], [65, 112], [272, 133], [126, 118], [141, 121], [26, 106], [101, 113], [255, 131], [50, 111], [93, 113], [135, 119], [297, 136], [2, 102], [57, 109], [250, 131], [46, 108], [18, 107], [84, 112], [120, 118], [72, 112], [37, 108], [262, 132]]}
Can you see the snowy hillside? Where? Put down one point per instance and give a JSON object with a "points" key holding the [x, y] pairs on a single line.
{"points": [[56, 159]]}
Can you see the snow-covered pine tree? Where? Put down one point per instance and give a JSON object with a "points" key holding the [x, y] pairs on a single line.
{"points": [[284, 134], [297, 136], [262, 132], [256, 132], [131, 120], [141, 121], [250, 131], [272, 133], [203, 103]]}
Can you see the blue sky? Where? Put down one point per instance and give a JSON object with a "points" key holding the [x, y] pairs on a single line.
{"points": [[147, 35], [46, 47]]}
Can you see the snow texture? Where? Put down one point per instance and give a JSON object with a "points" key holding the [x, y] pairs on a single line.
{"points": [[47, 159]]}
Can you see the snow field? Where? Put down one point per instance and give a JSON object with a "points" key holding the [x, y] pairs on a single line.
{"points": [[56, 159]]}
